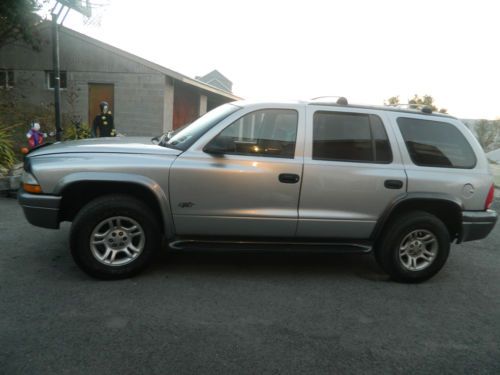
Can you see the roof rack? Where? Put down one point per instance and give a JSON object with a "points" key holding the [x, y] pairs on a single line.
{"points": [[405, 107], [422, 107], [340, 99]]}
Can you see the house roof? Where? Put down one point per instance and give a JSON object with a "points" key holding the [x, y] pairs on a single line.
{"points": [[161, 69], [217, 80]]}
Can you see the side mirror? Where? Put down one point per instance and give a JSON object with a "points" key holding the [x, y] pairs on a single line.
{"points": [[24, 150], [214, 150]]}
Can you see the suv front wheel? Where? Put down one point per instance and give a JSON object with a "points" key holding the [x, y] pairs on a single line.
{"points": [[114, 237], [414, 248]]}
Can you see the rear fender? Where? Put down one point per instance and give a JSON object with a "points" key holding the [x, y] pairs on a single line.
{"points": [[431, 202]]}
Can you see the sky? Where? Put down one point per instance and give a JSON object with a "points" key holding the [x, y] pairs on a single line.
{"points": [[364, 50]]}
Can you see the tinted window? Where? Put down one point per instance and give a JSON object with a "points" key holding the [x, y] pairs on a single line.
{"points": [[436, 144], [63, 81], [10, 78], [350, 137], [270, 132], [184, 138], [6, 78]]}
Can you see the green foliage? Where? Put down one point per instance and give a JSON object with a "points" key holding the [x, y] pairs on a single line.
{"points": [[417, 102], [7, 157], [487, 133], [393, 100], [71, 132], [16, 116], [18, 21]]}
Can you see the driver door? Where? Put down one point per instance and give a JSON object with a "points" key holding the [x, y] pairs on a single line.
{"points": [[243, 181]]}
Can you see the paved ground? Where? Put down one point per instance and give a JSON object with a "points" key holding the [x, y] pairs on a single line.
{"points": [[222, 313]]}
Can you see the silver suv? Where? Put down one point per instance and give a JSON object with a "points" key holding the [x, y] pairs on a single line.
{"points": [[403, 184]]}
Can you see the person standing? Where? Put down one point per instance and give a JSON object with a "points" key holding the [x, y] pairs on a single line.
{"points": [[103, 125]]}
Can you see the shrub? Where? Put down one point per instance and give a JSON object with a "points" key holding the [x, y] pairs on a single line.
{"points": [[72, 132], [7, 156]]}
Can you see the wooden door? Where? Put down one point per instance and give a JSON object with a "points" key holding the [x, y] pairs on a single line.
{"points": [[186, 106], [99, 92]]}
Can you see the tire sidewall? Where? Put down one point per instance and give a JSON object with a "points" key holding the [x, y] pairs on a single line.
{"points": [[87, 221], [389, 254]]}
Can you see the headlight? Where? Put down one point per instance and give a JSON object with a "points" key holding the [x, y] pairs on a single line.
{"points": [[30, 183]]}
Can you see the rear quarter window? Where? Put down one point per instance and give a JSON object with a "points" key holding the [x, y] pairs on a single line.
{"points": [[436, 144]]}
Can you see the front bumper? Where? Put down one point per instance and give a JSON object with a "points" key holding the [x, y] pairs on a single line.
{"points": [[40, 210], [477, 224]]}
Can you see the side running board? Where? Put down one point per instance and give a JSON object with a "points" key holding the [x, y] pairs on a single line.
{"points": [[337, 247]]}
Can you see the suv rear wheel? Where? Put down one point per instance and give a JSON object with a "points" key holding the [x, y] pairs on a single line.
{"points": [[414, 248], [114, 237]]}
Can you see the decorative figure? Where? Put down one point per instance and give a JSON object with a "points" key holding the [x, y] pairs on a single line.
{"points": [[35, 136], [103, 125]]}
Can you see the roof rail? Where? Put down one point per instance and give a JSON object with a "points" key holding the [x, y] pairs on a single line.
{"points": [[422, 107], [340, 99]]}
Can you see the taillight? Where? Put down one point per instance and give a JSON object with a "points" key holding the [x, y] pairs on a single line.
{"points": [[489, 198]]}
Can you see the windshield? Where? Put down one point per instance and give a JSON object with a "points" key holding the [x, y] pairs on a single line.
{"points": [[184, 138]]}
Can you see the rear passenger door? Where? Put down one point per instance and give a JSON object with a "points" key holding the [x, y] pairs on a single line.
{"points": [[352, 171]]}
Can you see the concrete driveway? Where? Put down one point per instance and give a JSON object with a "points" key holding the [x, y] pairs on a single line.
{"points": [[244, 313]]}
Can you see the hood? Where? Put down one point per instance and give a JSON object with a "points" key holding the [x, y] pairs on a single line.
{"points": [[115, 145]]}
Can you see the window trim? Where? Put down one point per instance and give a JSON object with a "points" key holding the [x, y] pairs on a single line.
{"points": [[47, 79], [4, 83], [390, 161], [261, 155], [435, 166]]}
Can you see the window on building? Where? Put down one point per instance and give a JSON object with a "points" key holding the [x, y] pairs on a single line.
{"points": [[6, 78], [436, 144], [269, 132], [51, 79], [354, 137]]}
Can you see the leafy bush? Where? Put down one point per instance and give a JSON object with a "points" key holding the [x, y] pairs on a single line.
{"points": [[17, 113], [72, 132], [487, 133], [7, 156]]}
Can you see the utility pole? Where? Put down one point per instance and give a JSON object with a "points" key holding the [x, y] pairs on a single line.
{"points": [[83, 7], [57, 73]]}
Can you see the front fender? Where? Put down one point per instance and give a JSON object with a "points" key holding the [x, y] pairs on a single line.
{"points": [[128, 178]]}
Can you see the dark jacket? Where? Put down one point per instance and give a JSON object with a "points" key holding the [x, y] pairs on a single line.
{"points": [[103, 123]]}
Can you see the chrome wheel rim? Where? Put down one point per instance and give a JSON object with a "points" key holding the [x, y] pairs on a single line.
{"points": [[117, 241], [418, 250]]}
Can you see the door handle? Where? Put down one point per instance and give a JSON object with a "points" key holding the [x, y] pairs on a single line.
{"points": [[393, 184], [289, 178]]}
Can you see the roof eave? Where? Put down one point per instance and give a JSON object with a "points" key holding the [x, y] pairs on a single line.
{"points": [[149, 64]]}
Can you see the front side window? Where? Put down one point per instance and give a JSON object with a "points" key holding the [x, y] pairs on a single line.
{"points": [[436, 144], [183, 138], [268, 132], [354, 137], [51, 79]]}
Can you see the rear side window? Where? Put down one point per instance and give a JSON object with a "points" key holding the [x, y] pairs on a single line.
{"points": [[355, 137], [436, 144]]}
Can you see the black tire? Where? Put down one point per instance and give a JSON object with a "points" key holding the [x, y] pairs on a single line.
{"points": [[398, 230], [92, 215]]}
